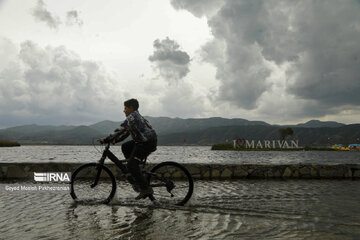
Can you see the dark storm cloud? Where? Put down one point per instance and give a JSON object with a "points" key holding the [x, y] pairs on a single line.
{"points": [[43, 15], [240, 64], [317, 40], [170, 61], [54, 86], [328, 64]]}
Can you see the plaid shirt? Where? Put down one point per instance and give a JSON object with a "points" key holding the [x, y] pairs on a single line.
{"points": [[137, 126]]}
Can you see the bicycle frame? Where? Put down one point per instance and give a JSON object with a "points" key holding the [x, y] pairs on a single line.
{"points": [[119, 163], [108, 154]]}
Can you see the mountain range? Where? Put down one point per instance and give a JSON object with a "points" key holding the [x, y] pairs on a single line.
{"points": [[197, 131]]}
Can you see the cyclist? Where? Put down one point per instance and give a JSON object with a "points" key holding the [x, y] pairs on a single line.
{"points": [[144, 142]]}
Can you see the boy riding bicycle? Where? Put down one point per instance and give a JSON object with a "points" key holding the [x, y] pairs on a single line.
{"points": [[144, 142]]}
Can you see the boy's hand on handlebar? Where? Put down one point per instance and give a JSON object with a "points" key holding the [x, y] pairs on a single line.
{"points": [[106, 140]]}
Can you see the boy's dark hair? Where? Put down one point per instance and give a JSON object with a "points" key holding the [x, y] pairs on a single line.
{"points": [[132, 103]]}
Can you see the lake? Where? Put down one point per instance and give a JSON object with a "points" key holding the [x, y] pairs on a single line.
{"points": [[238, 209], [181, 154]]}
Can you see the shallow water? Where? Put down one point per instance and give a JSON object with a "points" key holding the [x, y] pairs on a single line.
{"points": [[181, 154], [251, 209]]}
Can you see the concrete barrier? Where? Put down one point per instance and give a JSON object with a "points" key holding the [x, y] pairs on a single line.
{"points": [[10, 171]]}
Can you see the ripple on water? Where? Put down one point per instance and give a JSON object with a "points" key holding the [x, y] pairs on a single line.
{"points": [[292, 209]]}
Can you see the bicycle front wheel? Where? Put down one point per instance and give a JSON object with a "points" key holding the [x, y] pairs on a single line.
{"points": [[93, 183], [172, 183]]}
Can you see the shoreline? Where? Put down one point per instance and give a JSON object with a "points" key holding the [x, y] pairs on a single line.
{"points": [[6, 143], [230, 147]]}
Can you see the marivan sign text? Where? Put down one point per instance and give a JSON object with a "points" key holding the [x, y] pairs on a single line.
{"points": [[240, 142]]}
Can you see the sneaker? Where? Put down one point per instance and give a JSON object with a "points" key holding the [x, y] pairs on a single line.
{"points": [[145, 193]]}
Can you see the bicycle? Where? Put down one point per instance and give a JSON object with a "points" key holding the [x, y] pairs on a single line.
{"points": [[95, 182]]}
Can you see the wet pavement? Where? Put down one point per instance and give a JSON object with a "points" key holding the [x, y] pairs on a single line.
{"points": [[242, 209]]}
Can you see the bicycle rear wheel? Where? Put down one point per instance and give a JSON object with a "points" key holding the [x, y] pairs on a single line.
{"points": [[93, 183], [172, 183]]}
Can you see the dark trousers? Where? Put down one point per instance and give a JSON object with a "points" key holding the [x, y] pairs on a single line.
{"points": [[133, 150]]}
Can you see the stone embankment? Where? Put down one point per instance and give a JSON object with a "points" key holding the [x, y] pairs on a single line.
{"points": [[10, 171]]}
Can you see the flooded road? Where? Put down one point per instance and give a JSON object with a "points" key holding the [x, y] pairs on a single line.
{"points": [[242, 209]]}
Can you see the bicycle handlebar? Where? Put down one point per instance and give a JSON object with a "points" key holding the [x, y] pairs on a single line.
{"points": [[104, 142]]}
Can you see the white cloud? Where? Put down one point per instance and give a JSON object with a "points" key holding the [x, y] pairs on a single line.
{"points": [[72, 18], [169, 60], [43, 15], [177, 97], [199, 7], [54, 85], [181, 100], [8, 51]]}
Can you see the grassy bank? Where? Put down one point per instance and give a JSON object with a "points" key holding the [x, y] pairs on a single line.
{"points": [[230, 147], [4, 143]]}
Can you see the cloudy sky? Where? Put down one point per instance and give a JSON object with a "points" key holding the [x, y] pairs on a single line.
{"points": [[75, 62]]}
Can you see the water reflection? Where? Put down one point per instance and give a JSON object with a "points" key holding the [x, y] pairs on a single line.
{"points": [[252, 209]]}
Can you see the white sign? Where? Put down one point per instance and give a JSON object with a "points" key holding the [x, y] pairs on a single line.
{"points": [[52, 177], [266, 144]]}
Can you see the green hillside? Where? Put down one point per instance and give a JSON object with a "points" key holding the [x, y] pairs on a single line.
{"points": [[306, 136], [176, 131], [165, 125], [105, 127], [40, 135]]}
